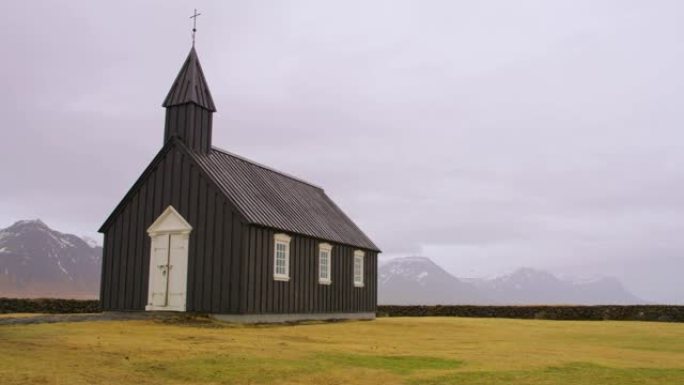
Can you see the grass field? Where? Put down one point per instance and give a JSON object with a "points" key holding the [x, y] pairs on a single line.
{"points": [[386, 351]]}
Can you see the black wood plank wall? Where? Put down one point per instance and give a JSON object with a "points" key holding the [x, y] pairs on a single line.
{"points": [[191, 123], [215, 242], [302, 293]]}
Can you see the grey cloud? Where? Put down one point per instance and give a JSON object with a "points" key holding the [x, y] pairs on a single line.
{"points": [[489, 135]]}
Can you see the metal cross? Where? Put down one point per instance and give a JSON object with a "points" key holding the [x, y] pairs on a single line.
{"points": [[194, 25]]}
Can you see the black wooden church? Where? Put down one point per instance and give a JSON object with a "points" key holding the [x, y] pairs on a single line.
{"points": [[205, 230]]}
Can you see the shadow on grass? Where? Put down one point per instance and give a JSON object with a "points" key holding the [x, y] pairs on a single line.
{"points": [[227, 369], [207, 321]]}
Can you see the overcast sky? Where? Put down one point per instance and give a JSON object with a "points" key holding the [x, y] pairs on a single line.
{"points": [[487, 135]]}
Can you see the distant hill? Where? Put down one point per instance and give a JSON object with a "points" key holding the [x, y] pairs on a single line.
{"points": [[419, 281], [37, 261], [530, 286]]}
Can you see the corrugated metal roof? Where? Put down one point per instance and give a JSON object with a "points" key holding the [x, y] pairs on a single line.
{"points": [[190, 85], [270, 198]]}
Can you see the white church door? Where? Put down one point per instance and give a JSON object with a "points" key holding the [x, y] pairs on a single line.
{"points": [[169, 237]]}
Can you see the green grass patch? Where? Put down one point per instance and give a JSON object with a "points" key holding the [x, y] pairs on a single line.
{"points": [[234, 369], [394, 364], [570, 374]]}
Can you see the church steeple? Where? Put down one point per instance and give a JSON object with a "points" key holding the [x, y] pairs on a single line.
{"points": [[189, 107]]}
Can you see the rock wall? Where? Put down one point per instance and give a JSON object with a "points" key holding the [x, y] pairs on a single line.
{"points": [[48, 305], [662, 313]]}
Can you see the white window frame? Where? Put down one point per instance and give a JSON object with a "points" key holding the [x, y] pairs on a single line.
{"points": [[325, 248], [359, 257], [282, 239]]}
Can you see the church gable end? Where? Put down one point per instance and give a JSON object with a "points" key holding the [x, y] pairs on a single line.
{"points": [[173, 179]]}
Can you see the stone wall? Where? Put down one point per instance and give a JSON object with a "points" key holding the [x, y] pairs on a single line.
{"points": [[663, 313], [48, 305]]}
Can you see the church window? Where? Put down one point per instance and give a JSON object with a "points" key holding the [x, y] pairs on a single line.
{"points": [[281, 257], [324, 264], [358, 268]]}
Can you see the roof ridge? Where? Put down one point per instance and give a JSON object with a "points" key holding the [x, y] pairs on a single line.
{"points": [[242, 158]]}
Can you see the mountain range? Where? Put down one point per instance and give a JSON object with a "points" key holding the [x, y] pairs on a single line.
{"points": [[419, 281], [37, 261]]}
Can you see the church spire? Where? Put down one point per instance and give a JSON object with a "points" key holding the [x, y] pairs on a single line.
{"points": [[189, 107], [190, 85]]}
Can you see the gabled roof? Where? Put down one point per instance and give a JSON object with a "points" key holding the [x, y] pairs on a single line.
{"points": [[265, 197], [190, 85], [273, 199]]}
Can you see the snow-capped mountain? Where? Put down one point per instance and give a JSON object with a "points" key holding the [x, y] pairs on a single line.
{"points": [[531, 286], [90, 241], [37, 261], [419, 281]]}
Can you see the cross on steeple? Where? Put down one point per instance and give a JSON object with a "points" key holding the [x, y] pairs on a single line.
{"points": [[194, 25]]}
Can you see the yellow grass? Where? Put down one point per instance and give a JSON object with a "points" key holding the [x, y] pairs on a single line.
{"points": [[18, 315], [385, 351]]}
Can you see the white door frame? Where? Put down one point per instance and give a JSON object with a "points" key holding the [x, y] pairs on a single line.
{"points": [[170, 232]]}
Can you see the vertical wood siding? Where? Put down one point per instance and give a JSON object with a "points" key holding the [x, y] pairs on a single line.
{"points": [[214, 261], [302, 293], [191, 123]]}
